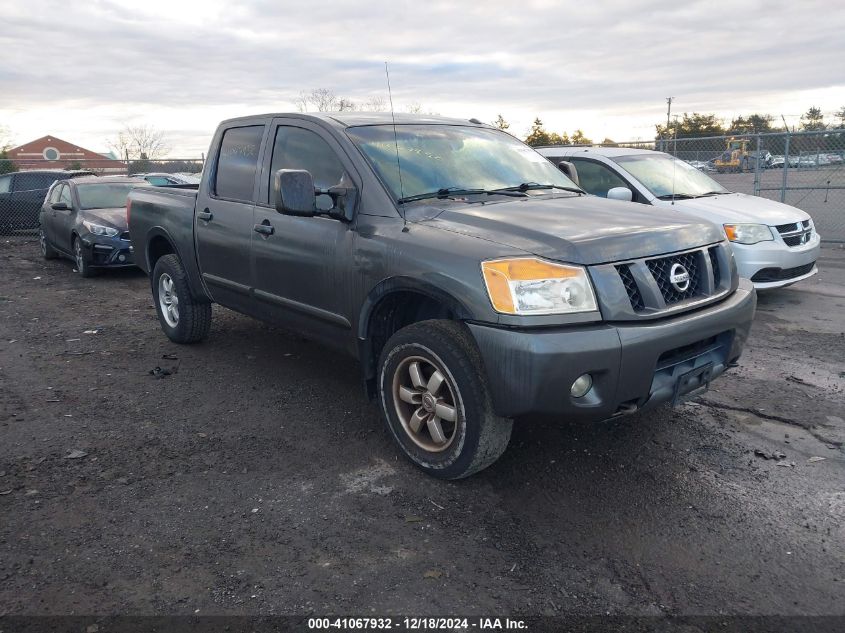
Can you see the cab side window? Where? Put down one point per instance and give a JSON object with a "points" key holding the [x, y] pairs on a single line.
{"points": [[596, 178], [298, 148], [237, 163]]}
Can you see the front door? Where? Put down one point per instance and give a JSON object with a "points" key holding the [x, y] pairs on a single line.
{"points": [[223, 221], [63, 221], [301, 266]]}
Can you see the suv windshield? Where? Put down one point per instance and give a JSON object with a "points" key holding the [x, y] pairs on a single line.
{"points": [[454, 158], [103, 196], [663, 175]]}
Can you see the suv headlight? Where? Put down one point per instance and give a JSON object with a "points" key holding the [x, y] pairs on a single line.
{"points": [[748, 233], [533, 286], [99, 229]]}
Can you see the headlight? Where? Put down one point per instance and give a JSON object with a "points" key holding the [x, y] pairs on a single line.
{"points": [[99, 229], [748, 233], [533, 286]]}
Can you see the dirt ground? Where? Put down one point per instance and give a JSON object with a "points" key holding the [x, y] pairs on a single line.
{"points": [[257, 479]]}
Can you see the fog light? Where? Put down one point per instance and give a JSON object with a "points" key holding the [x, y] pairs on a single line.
{"points": [[121, 258], [581, 386]]}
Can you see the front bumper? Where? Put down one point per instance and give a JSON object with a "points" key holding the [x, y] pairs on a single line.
{"points": [[761, 258], [108, 252], [633, 366]]}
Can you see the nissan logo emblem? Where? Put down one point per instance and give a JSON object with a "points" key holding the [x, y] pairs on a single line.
{"points": [[679, 277]]}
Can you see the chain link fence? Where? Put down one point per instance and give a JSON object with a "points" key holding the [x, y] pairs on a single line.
{"points": [[802, 169], [24, 183]]}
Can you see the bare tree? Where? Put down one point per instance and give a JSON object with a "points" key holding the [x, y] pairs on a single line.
{"points": [[139, 142], [375, 104], [346, 105], [414, 107], [501, 123], [319, 99]]}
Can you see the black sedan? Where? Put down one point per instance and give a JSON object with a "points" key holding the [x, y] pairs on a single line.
{"points": [[85, 219]]}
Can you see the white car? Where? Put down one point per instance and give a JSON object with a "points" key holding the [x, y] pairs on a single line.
{"points": [[774, 244]]}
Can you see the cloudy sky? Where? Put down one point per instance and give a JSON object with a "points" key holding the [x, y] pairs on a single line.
{"points": [[82, 70]]}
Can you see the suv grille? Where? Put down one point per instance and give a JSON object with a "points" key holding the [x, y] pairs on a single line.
{"points": [[631, 287], [662, 270], [714, 263]]}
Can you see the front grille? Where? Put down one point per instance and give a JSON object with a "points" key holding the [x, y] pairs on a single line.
{"points": [[714, 264], [794, 240], [788, 228], [631, 287], [661, 269], [781, 274], [796, 233]]}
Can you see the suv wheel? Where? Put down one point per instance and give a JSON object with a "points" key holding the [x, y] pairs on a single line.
{"points": [[47, 251], [435, 400], [82, 265], [183, 319]]}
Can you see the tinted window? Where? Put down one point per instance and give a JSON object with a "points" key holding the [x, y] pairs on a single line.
{"points": [[298, 148], [5, 183], [237, 162], [595, 178], [102, 196], [29, 182]]}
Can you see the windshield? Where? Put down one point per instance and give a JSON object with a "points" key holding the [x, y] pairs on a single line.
{"points": [[103, 196], [662, 175], [453, 157]]}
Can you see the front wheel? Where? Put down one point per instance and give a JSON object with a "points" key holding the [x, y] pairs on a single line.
{"points": [[82, 266], [47, 251], [435, 400], [183, 319]]}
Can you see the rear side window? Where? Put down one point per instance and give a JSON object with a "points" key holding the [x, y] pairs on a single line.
{"points": [[30, 182], [5, 184], [238, 162]]}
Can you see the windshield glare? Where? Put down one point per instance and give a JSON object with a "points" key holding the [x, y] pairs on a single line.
{"points": [[437, 157], [103, 196], [663, 175]]}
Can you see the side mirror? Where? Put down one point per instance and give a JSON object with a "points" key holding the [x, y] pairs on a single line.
{"points": [[620, 193], [569, 169], [60, 206], [293, 192]]}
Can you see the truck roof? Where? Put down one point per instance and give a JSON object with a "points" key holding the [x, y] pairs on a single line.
{"points": [[352, 119]]}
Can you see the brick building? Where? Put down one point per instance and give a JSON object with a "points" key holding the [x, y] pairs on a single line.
{"points": [[49, 152]]}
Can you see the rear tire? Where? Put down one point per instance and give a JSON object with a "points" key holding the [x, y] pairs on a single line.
{"points": [[435, 400], [183, 318], [47, 251]]}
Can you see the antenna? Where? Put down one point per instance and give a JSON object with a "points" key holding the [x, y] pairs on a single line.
{"points": [[674, 158], [396, 143]]}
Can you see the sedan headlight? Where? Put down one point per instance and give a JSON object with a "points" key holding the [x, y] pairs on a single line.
{"points": [[748, 233], [534, 286], [99, 229]]}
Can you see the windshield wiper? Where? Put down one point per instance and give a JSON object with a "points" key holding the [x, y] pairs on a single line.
{"points": [[526, 186], [676, 196], [711, 193], [447, 192]]}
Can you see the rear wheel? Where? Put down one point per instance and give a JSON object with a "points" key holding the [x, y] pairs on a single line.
{"points": [[183, 318], [47, 251], [435, 400], [82, 265]]}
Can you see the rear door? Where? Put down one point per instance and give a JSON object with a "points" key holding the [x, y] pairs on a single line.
{"points": [[223, 222], [301, 265]]}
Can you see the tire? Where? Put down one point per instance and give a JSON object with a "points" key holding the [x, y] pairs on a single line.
{"points": [[47, 251], [183, 318], [446, 449], [82, 265]]}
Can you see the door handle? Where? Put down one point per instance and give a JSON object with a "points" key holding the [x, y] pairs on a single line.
{"points": [[264, 229], [205, 215]]}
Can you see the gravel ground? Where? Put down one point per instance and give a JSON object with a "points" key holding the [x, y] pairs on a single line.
{"points": [[257, 479]]}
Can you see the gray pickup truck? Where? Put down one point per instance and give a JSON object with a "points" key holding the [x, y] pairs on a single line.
{"points": [[474, 282]]}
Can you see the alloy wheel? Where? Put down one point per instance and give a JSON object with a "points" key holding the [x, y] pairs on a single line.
{"points": [[168, 300]]}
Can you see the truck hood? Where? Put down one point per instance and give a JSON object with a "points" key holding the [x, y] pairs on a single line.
{"points": [[577, 229], [740, 207], [108, 217]]}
